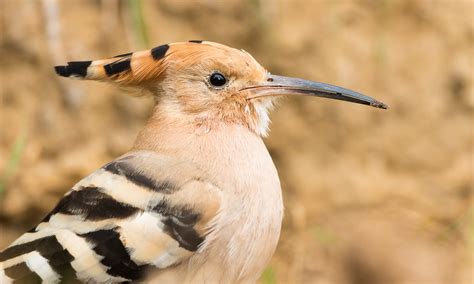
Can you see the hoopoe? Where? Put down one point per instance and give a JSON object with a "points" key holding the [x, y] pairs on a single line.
{"points": [[197, 199]]}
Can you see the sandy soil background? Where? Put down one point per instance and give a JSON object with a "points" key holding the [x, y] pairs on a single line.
{"points": [[371, 196]]}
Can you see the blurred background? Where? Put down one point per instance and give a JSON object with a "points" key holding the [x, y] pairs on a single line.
{"points": [[371, 196]]}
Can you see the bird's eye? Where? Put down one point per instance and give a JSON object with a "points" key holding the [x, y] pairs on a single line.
{"points": [[217, 79]]}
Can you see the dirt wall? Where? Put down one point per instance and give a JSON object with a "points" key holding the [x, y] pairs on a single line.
{"points": [[371, 196]]}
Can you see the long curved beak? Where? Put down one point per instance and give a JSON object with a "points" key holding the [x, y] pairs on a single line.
{"points": [[281, 85]]}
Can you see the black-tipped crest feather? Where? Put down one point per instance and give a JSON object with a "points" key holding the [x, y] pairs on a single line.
{"points": [[78, 68]]}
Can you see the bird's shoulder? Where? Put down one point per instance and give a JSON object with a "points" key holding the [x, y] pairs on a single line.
{"points": [[141, 210]]}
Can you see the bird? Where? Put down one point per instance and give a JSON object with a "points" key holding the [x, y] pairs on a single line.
{"points": [[197, 198]]}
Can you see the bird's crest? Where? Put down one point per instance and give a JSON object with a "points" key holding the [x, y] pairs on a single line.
{"points": [[138, 67]]}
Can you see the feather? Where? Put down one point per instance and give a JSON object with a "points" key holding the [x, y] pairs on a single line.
{"points": [[98, 235]]}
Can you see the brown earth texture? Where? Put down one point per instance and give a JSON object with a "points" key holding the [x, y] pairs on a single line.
{"points": [[371, 196]]}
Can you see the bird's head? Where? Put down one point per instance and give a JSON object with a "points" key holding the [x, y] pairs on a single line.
{"points": [[207, 83]]}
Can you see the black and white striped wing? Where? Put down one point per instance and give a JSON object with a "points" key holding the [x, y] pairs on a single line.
{"points": [[139, 212]]}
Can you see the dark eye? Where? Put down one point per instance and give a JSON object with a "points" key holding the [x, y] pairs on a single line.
{"points": [[217, 79]]}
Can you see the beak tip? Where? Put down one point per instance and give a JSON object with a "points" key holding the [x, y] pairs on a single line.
{"points": [[378, 104]]}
